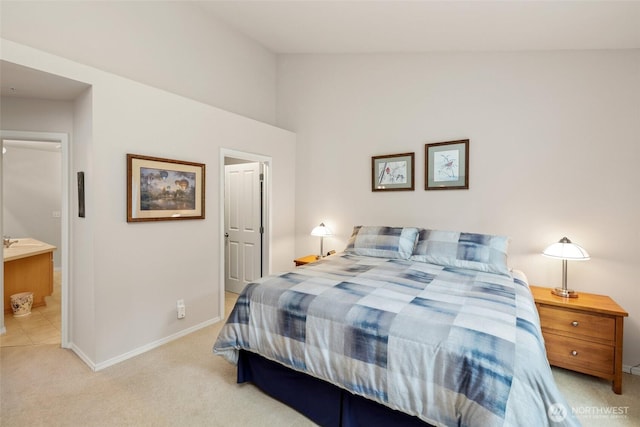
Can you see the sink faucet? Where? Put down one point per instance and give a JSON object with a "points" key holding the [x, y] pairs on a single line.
{"points": [[6, 240]]}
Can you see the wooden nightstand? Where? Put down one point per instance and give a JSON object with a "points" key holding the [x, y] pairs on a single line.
{"points": [[306, 260], [583, 334]]}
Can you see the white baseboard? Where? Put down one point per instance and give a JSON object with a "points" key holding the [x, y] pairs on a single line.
{"points": [[86, 359], [143, 349], [633, 370]]}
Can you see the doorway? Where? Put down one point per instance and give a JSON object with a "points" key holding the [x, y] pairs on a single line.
{"points": [[244, 218], [56, 142]]}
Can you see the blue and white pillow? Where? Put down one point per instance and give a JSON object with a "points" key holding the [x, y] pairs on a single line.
{"points": [[382, 242], [483, 252]]}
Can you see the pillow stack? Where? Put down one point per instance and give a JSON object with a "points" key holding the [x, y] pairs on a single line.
{"points": [[474, 251]]}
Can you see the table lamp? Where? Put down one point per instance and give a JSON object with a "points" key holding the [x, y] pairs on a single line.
{"points": [[322, 231], [565, 250]]}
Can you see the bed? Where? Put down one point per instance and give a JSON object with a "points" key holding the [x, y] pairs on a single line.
{"points": [[407, 326]]}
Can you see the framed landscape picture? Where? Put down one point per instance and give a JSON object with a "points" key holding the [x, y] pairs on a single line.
{"points": [[164, 189], [393, 172], [447, 165]]}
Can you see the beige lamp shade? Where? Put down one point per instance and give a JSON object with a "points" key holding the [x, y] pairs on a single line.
{"points": [[565, 249], [321, 230]]}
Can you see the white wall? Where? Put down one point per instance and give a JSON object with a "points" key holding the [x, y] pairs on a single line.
{"points": [[32, 178], [127, 277], [173, 45], [82, 298], [554, 151], [39, 115]]}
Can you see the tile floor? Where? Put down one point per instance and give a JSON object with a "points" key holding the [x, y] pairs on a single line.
{"points": [[42, 326]]}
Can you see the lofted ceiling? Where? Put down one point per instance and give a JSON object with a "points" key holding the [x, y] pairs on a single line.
{"points": [[392, 26]]}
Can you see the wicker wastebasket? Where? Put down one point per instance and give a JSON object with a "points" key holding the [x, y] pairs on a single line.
{"points": [[21, 304]]}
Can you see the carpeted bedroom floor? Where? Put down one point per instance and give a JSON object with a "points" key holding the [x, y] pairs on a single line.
{"points": [[183, 383]]}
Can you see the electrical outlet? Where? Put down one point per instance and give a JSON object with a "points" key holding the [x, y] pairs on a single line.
{"points": [[182, 310]]}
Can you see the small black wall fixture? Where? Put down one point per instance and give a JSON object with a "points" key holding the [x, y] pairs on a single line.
{"points": [[81, 194]]}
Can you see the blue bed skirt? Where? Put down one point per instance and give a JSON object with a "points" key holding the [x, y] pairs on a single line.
{"points": [[322, 402]]}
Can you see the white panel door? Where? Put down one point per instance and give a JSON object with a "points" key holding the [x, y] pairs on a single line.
{"points": [[242, 223]]}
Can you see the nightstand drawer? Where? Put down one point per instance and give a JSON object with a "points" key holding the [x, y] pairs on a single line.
{"points": [[578, 323], [572, 353]]}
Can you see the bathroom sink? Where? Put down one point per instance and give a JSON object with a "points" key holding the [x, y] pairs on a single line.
{"points": [[24, 243]]}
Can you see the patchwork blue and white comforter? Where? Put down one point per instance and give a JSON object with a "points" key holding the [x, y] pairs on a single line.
{"points": [[448, 345]]}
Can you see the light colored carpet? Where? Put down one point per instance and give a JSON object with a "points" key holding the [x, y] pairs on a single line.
{"points": [[183, 383], [595, 404], [179, 384]]}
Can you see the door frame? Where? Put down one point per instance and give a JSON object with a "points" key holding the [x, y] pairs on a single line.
{"points": [[63, 140], [266, 211]]}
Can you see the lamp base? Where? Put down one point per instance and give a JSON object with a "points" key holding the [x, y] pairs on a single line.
{"points": [[564, 293]]}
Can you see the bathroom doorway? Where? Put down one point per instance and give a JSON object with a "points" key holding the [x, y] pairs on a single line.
{"points": [[36, 100], [35, 200]]}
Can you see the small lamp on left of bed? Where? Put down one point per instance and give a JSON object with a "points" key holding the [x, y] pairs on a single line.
{"points": [[322, 231]]}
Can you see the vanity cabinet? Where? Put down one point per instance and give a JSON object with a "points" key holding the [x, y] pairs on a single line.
{"points": [[28, 267]]}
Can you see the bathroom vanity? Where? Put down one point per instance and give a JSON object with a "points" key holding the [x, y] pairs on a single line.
{"points": [[28, 267]]}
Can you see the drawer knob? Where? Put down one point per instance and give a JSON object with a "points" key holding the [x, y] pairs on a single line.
{"points": [[574, 323], [574, 353]]}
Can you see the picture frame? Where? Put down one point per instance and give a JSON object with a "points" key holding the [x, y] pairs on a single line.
{"points": [[447, 165], [393, 172], [164, 189]]}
